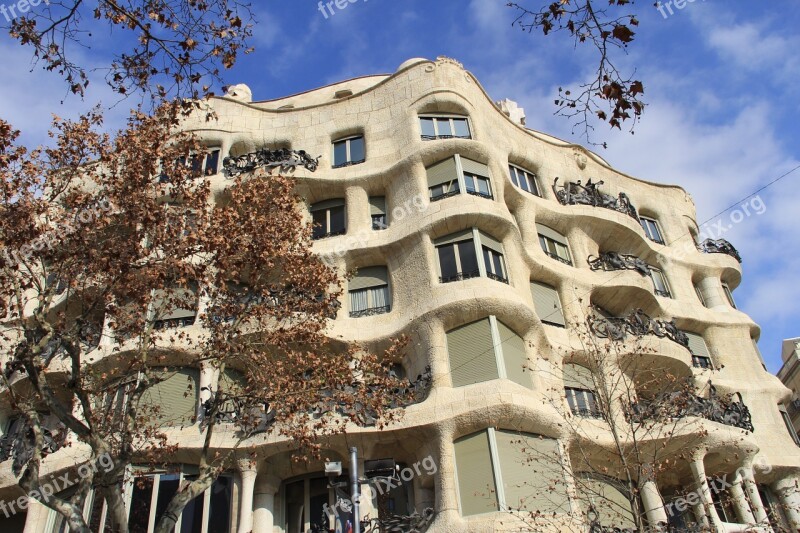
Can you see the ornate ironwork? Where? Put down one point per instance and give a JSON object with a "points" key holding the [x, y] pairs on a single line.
{"points": [[415, 523], [578, 194], [488, 196], [719, 246], [20, 444], [609, 261], [495, 277], [371, 311], [551, 255], [444, 195], [729, 409], [285, 159], [637, 324], [460, 276]]}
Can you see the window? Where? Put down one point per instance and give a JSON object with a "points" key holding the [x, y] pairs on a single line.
{"points": [[306, 504], [500, 470], [700, 356], [554, 244], [787, 420], [369, 292], [201, 164], [174, 308], [660, 286], [444, 127], [579, 391], [329, 218], [485, 350], [458, 257], [700, 295], [173, 400], [651, 229], [377, 211], [349, 151], [728, 294], [210, 512], [547, 304], [456, 174], [523, 179], [775, 515], [607, 498], [723, 501]]}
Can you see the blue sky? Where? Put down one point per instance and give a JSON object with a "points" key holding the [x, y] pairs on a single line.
{"points": [[721, 81]]}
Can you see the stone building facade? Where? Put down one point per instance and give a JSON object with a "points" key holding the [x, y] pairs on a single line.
{"points": [[509, 257]]}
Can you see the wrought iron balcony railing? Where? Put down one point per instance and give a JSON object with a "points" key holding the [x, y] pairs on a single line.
{"points": [[441, 137], [495, 277], [719, 246], [445, 195], [610, 261], [589, 194], [557, 258], [285, 159], [174, 323], [488, 196], [460, 276], [729, 410], [637, 324], [371, 311], [349, 163], [16, 443]]}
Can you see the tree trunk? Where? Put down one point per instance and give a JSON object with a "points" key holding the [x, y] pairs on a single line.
{"points": [[116, 509], [176, 506]]}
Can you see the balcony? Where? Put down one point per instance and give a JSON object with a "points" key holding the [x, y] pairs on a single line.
{"points": [[371, 311], [719, 246], [612, 261], [637, 324], [729, 409], [285, 159], [589, 194], [19, 440]]}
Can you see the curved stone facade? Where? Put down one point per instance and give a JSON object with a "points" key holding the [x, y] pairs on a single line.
{"points": [[428, 298]]}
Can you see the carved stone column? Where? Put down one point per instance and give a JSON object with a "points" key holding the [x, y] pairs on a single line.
{"points": [[704, 492], [751, 490], [789, 493], [247, 469], [653, 504], [740, 502], [266, 488]]}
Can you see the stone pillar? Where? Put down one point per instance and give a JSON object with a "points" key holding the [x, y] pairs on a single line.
{"points": [[653, 505], [751, 491], [704, 491], [247, 469], [740, 502], [712, 293], [36, 518], [266, 488], [789, 493]]}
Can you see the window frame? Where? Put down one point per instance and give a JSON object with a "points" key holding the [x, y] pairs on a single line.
{"points": [[451, 118], [787, 421], [700, 295], [658, 274], [530, 179], [459, 184], [550, 246], [703, 362], [328, 210], [650, 226], [348, 151], [371, 308], [592, 409], [729, 294], [479, 244]]}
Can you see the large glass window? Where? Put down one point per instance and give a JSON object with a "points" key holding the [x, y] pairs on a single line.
{"points": [[311, 505], [701, 358], [444, 127], [729, 295], [377, 212], [458, 257], [500, 470], [651, 229], [523, 179], [329, 218], [369, 292], [175, 307], [349, 151], [787, 420], [485, 350], [456, 174], [554, 244], [607, 499]]}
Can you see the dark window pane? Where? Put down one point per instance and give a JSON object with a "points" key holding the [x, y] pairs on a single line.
{"points": [[192, 516], [197, 165], [219, 518], [513, 173], [469, 261], [483, 186], [295, 504], [462, 127], [337, 220], [339, 153], [212, 161], [447, 260], [469, 182], [96, 512], [320, 224], [167, 488], [140, 504], [444, 127], [357, 152], [523, 182], [318, 499], [427, 127], [498, 264]]}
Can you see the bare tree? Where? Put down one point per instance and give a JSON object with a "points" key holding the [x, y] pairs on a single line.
{"points": [[119, 264], [611, 95]]}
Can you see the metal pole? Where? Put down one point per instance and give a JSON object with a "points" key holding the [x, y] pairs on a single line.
{"points": [[355, 490]]}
